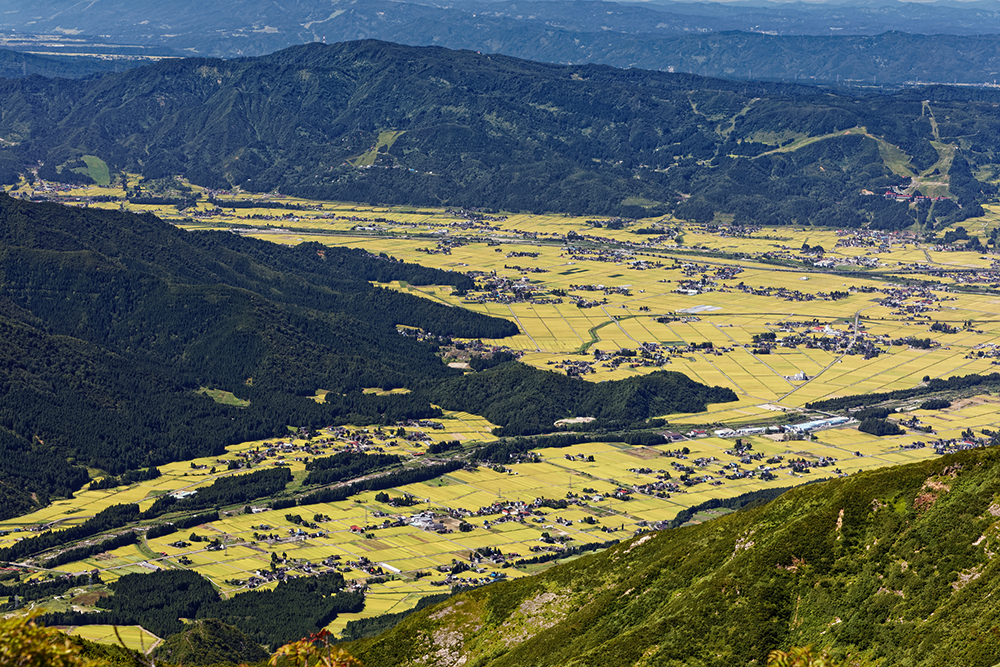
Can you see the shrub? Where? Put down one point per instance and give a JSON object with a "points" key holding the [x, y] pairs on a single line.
{"points": [[25, 644]]}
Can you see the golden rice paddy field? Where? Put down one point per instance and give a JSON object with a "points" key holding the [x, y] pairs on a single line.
{"points": [[708, 287], [410, 550], [131, 636]]}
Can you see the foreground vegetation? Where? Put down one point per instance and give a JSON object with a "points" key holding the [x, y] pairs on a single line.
{"points": [[892, 566]]}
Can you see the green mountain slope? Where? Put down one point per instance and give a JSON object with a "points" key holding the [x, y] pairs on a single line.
{"points": [[209, 642], [111, 321], [493, 131], [896, 565]]}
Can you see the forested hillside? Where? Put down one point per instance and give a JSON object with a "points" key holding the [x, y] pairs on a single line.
{"points": [[372, 121], [524, 401], [113, 321], [893, 567], [15, 64]]}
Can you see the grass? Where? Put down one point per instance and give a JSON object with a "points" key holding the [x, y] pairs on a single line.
{"points": [[98, 170], [224, 397], [803, 141], [895, 158], [132, 636], [385, 141]]}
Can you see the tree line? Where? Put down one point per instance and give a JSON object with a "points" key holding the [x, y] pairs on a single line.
{"points": [[929, 386], [523, 400], [229, 490], [158, 600], [115, 516], [346, 465], [402, 477]]}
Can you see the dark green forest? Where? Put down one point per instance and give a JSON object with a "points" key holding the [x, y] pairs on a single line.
{"points": [[157, 600], [497, 132], [113, 321], [346, 465], [524, 401]]}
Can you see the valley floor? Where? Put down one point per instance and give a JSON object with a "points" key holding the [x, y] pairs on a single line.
{"points": [[748, 309]]}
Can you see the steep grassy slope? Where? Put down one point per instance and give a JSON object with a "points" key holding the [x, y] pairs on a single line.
{"points": [[897, 565], [493, 131]]}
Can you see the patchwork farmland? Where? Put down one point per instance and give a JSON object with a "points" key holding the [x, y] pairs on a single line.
{"points": [[785, 317]]}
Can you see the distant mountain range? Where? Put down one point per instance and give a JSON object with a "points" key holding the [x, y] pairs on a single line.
{"points": [[17, 64], [378, 122], [882, 44]]}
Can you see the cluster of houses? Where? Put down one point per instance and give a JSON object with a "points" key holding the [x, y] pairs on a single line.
{"points": [[951, 445], [837, 341], [966, 276], [643, 265], [615, 255], [731, 231], [474, 215], [895, 195], [908, 301], [574, 367], [283, 569], [470, 582], [582, 302], [525, 269], [276, 452], [491, 288], [985, 351], [874, 239], [443, 247], [646, 355], [604, 289], [365, 440], [692, 269], [787, 294]]}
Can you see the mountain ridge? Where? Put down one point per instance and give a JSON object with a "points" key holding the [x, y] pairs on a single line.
{"points": [[815, 43], [489, 131]]}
